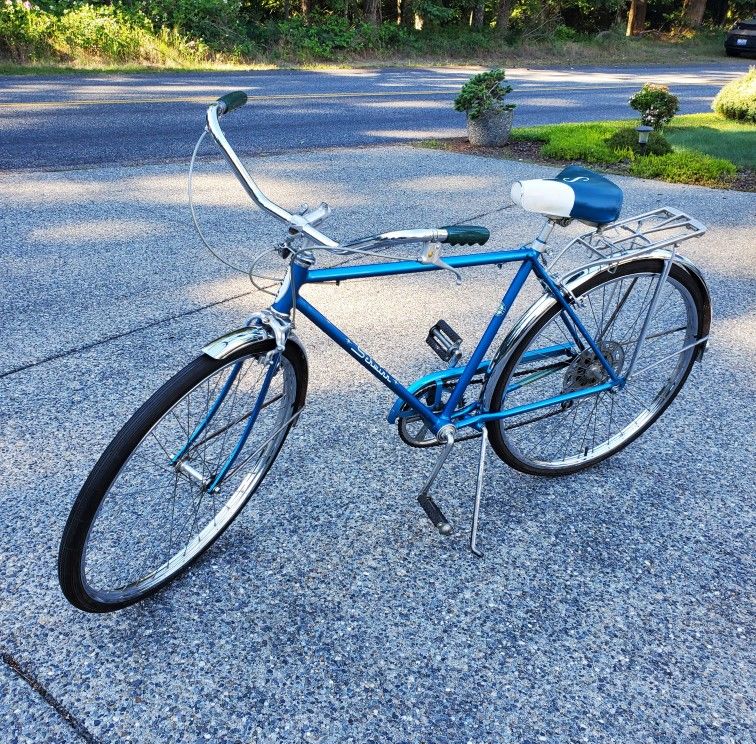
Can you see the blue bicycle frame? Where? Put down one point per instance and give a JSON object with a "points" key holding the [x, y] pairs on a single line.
{"points": [[301, 275]]}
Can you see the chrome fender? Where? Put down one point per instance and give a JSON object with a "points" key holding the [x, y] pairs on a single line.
{"points": [[224, 346], [575, 282], [228, 344]]}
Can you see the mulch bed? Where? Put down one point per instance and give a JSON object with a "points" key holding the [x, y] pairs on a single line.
{"points": [[530, 151]]}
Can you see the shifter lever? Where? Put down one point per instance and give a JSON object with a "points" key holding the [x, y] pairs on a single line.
{"points": [[317, 214], [432, 255]]}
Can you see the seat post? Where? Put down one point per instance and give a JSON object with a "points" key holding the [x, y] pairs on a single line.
{"points": [[541, 242]]}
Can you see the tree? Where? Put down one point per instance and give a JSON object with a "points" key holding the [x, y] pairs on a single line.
{"points": [[373, 12], [478, 14], [636, 17], [693, 11], [503, 12]]}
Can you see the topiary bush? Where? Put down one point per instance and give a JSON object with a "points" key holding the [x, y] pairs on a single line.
{"points": [[482, 93], [627, 139], [656, 104], [737, 100]]}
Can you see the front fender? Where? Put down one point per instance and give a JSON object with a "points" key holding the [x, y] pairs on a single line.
{"points": [[230, 343], [224, 346], [574, 283]]}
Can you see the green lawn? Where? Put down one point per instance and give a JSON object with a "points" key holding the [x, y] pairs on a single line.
{"points": [[708, 149], [716, 136]]}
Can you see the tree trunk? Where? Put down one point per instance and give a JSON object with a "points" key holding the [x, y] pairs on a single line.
{"points": [[636, 17], [718, 10], [693, 11], [372, 10], [305, 6], [502, 16], [478, 14], [408, 14]]}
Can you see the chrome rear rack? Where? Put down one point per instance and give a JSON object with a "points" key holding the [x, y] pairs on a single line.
{"points": [[661, 228]]}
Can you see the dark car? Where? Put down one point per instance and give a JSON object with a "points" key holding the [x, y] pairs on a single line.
{"points": [[741, 39]]}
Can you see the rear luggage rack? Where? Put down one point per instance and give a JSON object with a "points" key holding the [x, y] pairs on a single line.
{"points": [[642, 233]]}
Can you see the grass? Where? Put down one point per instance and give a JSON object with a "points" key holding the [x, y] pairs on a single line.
{"points": [[714, 135], [97, 67], [708, 149], [157, 51]]}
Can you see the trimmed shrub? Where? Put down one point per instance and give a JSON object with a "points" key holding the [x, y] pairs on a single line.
{"points": [[737, 100], [656, 105], [627, 139], [482, 93]]}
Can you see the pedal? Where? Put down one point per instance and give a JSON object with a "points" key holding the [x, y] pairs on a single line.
{"points": [[445, 342], [435, 514]]}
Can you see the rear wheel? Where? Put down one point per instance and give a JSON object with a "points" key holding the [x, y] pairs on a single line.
{"points": [[568, 437], [176, 475]]}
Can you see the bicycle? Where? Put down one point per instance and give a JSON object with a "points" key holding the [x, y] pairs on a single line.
{"points": [[584, 372]]}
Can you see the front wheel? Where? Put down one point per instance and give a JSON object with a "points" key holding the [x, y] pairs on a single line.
{"points": [[177, 474], [549, 361]]}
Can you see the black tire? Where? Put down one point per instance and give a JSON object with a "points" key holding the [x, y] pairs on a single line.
{"points": [[731, 53], [496, 429], [71, 568]]}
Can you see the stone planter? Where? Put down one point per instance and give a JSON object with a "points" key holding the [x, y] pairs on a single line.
{"points": [[490, 129]]}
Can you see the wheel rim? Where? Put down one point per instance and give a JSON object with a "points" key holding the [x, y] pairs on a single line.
{"points": [[129, 550], [588, 429]]}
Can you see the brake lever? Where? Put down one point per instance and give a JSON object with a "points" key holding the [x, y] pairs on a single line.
{"points": [[432, 255]]}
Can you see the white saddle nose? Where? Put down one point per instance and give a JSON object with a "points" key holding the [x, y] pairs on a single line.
{"points": [[547, 197], [576, 192]]}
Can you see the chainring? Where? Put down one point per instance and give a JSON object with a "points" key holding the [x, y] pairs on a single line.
{"points": [[411, 427]]}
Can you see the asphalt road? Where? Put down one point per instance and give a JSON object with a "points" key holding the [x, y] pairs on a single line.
{"points": [[610, 606], [83, 121]]}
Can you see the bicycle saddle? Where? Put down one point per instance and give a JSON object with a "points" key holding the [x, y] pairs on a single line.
{"points": [[576, 192]]}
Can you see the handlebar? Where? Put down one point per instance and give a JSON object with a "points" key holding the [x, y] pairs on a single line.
{"points": [[225, 105], [305, 222], [231, 101]]}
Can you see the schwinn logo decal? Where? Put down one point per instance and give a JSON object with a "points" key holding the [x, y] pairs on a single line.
{"points": [[360, 354]]}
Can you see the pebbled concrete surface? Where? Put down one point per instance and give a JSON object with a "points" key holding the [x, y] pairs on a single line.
{"points": [[26, 718], [615, 605]]}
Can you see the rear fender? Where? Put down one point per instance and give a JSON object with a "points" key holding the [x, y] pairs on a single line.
{"points": [[575, 284]]}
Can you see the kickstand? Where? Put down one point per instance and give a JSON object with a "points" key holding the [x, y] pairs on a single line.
{"points": [[478, 489]]}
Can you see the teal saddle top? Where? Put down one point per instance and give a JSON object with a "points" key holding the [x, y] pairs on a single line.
{"points": [[597, 199]]}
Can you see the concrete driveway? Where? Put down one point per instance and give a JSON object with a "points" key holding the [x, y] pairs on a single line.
{"points": [[614, 605]]}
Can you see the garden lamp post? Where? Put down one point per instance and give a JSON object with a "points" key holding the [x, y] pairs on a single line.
{"points": [[643, 133]]}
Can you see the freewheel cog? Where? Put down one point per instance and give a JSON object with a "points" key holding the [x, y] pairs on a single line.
{"points": [[586, 370]]}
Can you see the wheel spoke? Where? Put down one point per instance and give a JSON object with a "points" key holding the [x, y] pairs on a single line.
{"points": [[588, 429], [156, 517]]}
